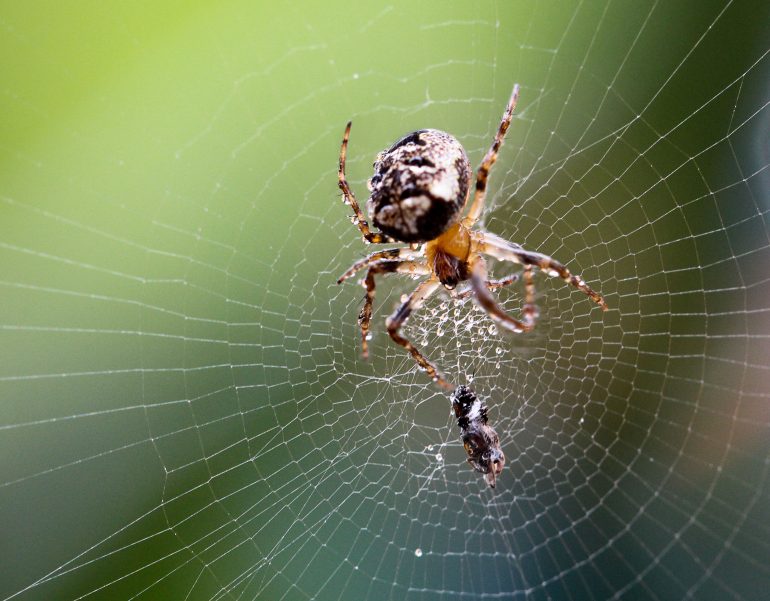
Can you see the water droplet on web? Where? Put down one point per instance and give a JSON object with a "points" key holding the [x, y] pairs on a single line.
{"points": [[492, 330], [497, 365], [439, 457], [369, 336], [439, 333], [499, 350], [404, 298], [418, 552]]}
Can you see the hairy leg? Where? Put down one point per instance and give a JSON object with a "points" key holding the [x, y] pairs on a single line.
{"points": [[350, 198], [489, 159], [503, 250], [491, 284], [383, 266], [488, 302], [399, 317], [392, 254]]}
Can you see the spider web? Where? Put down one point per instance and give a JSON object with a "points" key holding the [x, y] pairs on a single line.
{"points": [[185, 413]]}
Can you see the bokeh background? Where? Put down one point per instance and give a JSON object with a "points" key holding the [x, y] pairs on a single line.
{"points": [[184, 413]]}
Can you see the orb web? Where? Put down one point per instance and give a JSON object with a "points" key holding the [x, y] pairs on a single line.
{"points": [[185, 410]]}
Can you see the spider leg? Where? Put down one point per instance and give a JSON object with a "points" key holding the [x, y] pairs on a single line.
{"points": [[399, 317], [505, 251], [382, 267], [491, 284], [392, 254], [489, 159], [350, 198], [488, 302]]}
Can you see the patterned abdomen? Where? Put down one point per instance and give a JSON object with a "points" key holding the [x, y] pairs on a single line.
{"points": [[419, 186]]}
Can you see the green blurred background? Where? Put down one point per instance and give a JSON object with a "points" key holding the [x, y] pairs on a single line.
{"points": [[183, 412]]}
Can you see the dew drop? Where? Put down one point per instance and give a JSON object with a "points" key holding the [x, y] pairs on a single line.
{"points": [[499, 350], [418, 552]]}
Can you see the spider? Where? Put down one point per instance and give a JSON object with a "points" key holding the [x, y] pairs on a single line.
{"points": [[420, 186], [480, 441]]}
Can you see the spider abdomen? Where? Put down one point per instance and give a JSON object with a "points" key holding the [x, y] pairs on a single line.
{"points": [[420, 186]]}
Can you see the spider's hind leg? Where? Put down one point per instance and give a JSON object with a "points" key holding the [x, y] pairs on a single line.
{"points": [[350, 198], [489, 159]]}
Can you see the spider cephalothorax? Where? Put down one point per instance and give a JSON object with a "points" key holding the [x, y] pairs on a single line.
{"points": [[418, 191], [480, 441]]}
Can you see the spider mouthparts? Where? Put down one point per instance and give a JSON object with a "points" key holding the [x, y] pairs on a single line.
{"points": [[490, 478]]}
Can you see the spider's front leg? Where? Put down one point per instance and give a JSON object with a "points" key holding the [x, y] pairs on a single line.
{"points": [[377, 267], [399, 317], [350, 198], [484, 297]]}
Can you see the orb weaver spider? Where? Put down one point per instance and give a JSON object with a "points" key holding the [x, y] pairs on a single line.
{"points": [[419, 189]]}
